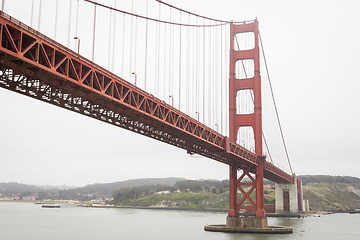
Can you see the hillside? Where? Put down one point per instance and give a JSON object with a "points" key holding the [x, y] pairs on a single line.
{"points": [[332, 196], [109, 188], [17, 188], [328, 179], [92, 191], [185, 194], [333, 193]]}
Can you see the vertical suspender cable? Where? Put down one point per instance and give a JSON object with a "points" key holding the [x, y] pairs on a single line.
{"points": [[192, 71], [164, 68], [77, 18], [93, 46], [195, 69], [187, 66], [114, 36], [123, 48], [196, 42], [180, 65], [157, 83], [221, 81], [227, 63], [212, 67], [32, 13], [77, 25], [109, 45], [170, 58], [69, 25], [131, 39], [209, 77], [156, 58], [135, 47], [39, 20], [2, 5], [146, 42], [215, 81], [204, 91]]}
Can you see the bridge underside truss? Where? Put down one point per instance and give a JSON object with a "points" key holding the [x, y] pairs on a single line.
{"points": [[67, 97]]}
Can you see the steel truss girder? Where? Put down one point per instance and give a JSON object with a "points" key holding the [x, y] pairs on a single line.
{"points": [[66, 99], [72, 79]]}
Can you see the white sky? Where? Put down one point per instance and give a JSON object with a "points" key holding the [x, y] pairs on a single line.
{"points": [[312, 49]]}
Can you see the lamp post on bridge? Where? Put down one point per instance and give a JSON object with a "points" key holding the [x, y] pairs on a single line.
{"points": [[172, 100], [135, 76], [197, 114], [78, 47]]}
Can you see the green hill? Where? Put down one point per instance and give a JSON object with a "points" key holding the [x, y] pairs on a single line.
{"points": [[332, 193], [329, 193], [17, 188], [332, 196]]}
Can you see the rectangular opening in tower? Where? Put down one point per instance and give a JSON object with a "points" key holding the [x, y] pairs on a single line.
{"points": [[244, 69], [244, 41], [245, 102]]}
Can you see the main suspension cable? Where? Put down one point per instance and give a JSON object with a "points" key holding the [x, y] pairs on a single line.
{"points": [[276, 111], [197, 15], [153, 19]]}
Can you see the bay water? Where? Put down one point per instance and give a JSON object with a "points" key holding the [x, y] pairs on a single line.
{"points": [[28, 221]]}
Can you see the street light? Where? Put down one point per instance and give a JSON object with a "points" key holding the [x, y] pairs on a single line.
{"points": [[172, 100], [135, 76], [197, 115], [77, 38]]}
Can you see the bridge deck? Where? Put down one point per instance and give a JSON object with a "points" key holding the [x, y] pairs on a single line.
{"points": [[37, 66]]}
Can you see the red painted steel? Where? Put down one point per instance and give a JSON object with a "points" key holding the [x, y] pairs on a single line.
{"points": [[253, 120], [37, 66]]}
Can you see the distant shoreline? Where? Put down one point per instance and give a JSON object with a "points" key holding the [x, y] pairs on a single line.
{"points": [[219, 210], [161, 208]]}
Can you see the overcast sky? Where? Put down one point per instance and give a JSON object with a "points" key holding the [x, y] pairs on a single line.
{"points": [[312, 49]]}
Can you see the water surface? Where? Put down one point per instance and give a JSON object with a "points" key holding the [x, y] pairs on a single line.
{"points": [[27, 221]]}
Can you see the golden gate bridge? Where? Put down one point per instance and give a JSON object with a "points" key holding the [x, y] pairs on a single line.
{"points": [[175, 76]]}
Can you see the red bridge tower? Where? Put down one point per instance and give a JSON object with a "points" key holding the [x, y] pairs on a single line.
{"points": [[253, 120]]}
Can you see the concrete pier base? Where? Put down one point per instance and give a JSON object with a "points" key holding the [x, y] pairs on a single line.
{"points": [[268, 230], [289, 198], [248, 225], [247, 222]]}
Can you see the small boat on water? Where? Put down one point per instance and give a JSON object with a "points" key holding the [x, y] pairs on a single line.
{"points": [[50, 206]]}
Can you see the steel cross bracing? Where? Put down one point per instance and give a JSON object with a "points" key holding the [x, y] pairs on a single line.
{"points": [[37, 66]]}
